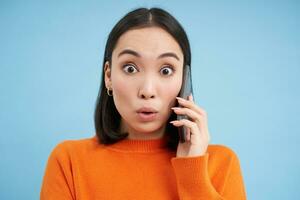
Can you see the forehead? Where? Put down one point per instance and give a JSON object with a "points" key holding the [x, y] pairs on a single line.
{"points": [[149, 41]]}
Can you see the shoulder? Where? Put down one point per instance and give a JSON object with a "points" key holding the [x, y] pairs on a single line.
{"points": [[67, 148], [222, 154], [221, 150]]}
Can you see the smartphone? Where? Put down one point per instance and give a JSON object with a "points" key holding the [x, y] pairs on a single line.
{"points": [[185, 91]]}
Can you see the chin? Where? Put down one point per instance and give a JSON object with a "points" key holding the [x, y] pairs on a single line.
{"points": [[146, 127]]}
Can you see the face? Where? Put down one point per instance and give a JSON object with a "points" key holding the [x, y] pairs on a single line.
{"points": [[146, 71]]}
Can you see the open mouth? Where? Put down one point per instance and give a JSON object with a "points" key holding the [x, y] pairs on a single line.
{"points": [[147, 116], [147, 113]]}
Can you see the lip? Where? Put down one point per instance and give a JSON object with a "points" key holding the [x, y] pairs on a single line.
{"points": [[147, 114], [146, 117], [147, 109]]}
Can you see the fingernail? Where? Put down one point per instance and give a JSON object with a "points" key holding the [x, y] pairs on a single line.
{"points": [[180, 99]]}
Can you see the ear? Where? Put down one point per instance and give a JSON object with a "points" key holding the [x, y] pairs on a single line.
{"points": [[107, 74]]}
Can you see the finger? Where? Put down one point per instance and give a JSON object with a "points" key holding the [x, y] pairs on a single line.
{"points": [[195, 134], [191, 98], [194, 130], [196, 117], [188, 135], [191, 105]]}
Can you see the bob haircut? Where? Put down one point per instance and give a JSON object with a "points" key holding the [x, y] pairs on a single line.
{"points": [[106, 117]]}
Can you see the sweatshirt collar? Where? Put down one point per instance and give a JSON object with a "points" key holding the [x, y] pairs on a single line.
{"points": [[142, 146]]}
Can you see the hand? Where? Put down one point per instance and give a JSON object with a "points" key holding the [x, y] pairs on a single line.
{"points": [[198, 136]]}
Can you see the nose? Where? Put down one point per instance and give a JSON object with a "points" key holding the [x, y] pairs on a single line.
{"points": [[147, 89]]}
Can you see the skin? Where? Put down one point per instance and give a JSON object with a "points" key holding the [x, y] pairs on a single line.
{"points": [[147, 80]]}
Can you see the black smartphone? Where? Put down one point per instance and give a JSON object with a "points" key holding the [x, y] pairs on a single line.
{"points": [[185, 91]]}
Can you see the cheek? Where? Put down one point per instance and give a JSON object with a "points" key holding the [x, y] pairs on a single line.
{"points": [[123, 93], [122, 88], [170, 92]]}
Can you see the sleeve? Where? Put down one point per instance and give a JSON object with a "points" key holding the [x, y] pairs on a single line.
{"points": [[58, 180], [194, 182]]}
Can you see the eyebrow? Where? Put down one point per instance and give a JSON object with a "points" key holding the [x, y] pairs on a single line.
{"points": [[134, 53]]}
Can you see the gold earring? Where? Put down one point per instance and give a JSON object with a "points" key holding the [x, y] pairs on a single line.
{"points": [[107, 91]]}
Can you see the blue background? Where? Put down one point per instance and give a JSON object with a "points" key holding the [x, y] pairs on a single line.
{"points": [[246, 69]]}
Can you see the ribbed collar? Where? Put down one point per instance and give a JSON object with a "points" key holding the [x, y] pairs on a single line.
{"points": [[142, 146]]}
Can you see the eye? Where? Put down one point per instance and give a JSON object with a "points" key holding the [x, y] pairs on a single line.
{"points": [[167, 70], [129, 68]]}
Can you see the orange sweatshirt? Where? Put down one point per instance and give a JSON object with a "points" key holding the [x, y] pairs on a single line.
{"points": [[139, 169]]}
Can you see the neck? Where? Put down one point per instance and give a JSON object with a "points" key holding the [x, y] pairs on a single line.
{"points": [[134, 134]]}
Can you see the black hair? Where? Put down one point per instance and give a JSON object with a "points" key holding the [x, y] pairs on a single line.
{"points": [[106, 117]]}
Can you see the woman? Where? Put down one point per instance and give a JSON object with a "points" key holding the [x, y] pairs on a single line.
{"points": [[136, 153]]}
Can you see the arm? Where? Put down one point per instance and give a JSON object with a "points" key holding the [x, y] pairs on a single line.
{"points": [[196, 181], [202, 173], [58, 179]]}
